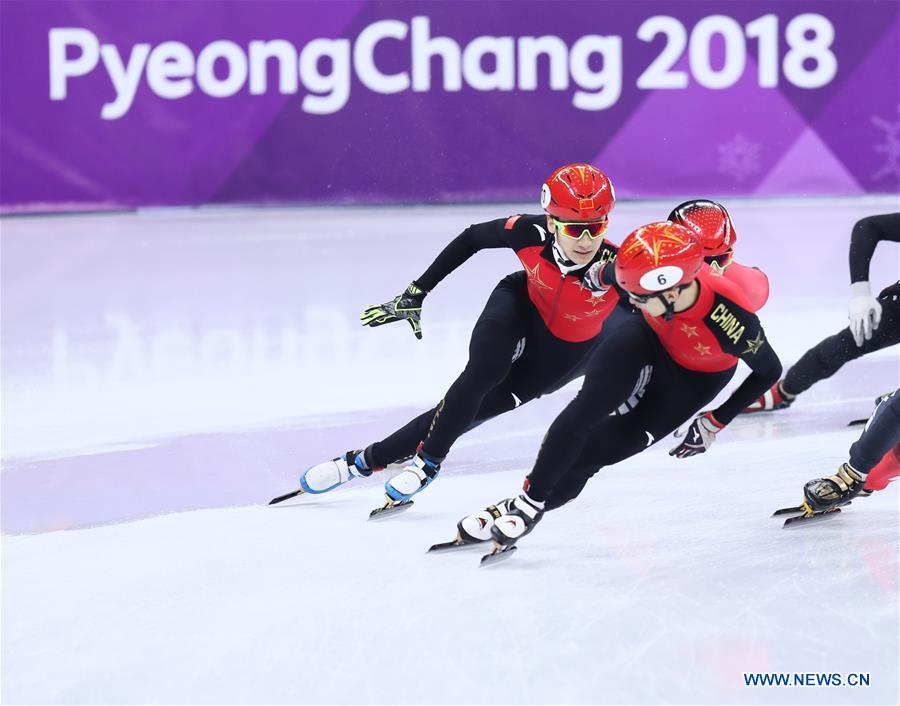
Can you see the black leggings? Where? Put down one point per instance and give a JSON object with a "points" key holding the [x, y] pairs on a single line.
{"points": [[663, 396], [827, 357], [880, 435], [513, 358]]}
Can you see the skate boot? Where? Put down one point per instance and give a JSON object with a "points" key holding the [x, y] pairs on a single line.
{"points": [[521, 515], [329, 475], [473, 529], [415, 477], [477, 526], [825, 494], [773, 399]]}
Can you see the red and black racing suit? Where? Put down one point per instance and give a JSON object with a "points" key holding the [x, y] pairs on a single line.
{"points": [[648, 377], [532, 337]]}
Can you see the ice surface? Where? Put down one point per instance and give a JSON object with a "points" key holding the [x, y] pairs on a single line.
{"points": [[192, 362]]}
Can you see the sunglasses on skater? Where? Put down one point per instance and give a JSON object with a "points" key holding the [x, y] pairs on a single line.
{"points": [[577, 229], [641, 298]]}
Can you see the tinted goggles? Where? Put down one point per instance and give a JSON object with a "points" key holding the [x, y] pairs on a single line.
{"points": [[575, 230], [720, 263]]}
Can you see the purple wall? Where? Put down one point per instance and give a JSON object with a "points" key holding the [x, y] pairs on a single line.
{"points": [[111, 104]]}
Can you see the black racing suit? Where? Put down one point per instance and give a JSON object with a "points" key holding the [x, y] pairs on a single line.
{"points": [[880, 435]]}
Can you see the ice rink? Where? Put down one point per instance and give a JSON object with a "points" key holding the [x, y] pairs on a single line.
{"points": [[165, 373]]}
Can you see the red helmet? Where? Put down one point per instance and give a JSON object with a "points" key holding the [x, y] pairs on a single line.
{"points": [[578, 192], [710, 221], [658, 256]]}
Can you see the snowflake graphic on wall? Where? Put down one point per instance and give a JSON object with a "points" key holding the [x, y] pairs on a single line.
{"points": [[739, 158], [890, 148]]}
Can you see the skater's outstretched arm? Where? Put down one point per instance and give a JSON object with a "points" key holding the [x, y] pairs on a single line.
{"points": [[867, 233], [864, 311], [765, 369], [740, 334], [513, 232], [480, 236]]}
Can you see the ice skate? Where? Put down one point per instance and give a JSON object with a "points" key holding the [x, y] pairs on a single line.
{"points": [[329, 475], [824, 497], [399, 490], [473, 529], [824, 494], [521, 515], [518, 518]]}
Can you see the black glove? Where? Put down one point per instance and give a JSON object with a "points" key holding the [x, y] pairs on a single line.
{"points": [[593, 280], [699, 436], [406, 306]]}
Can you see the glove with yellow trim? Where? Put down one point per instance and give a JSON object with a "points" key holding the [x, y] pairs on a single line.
{"points": [[406, 306]]}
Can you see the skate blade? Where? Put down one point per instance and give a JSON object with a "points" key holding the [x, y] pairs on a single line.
{"points": [[803, 509], [810, 519], [287, 496], [390, 509], [797, 510], [498, 554], [455, 545]]}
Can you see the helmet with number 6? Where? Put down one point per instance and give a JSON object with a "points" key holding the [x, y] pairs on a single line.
{"points": [[578, 192], [658, 256], [710, 221]]}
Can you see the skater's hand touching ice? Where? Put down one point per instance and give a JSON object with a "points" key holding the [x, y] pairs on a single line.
{"points": [[864, 312], [403, 307], [698, 437]]}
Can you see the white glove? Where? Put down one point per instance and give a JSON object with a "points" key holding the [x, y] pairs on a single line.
{"points": [[864, 312]]}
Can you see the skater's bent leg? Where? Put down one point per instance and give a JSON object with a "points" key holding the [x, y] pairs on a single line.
{"points": [[617, 438], [490, 359], [827, 357], [500, 328], [402, 443], [568, 488], [670, 399], [821, 361], [888, 467], [880, 435]]}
